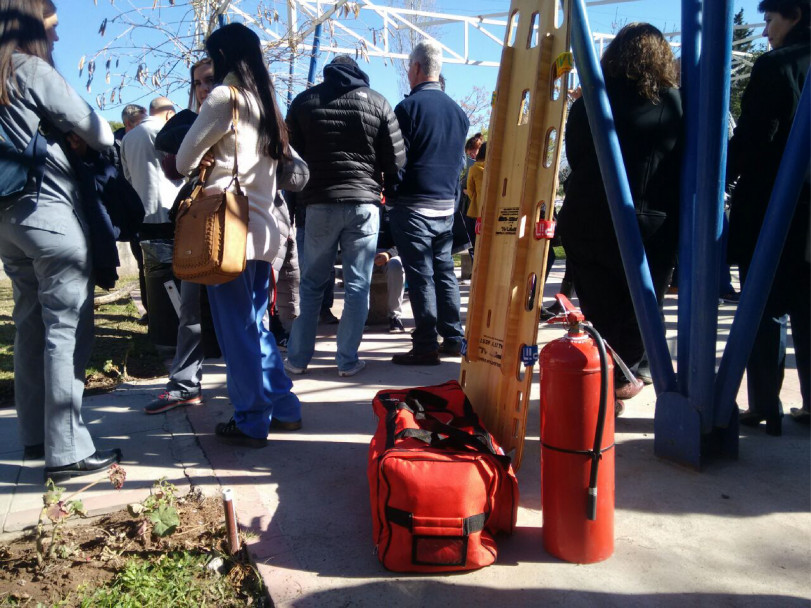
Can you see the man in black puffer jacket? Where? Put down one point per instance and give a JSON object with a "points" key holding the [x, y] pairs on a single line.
{"points": [[351, 141]]}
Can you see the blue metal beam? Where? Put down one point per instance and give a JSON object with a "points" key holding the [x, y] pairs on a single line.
{"points": [[793, 170], [716, 51], [314, 57], [690, 74], [620, 202]]}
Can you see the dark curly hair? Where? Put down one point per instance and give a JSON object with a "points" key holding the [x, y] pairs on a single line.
{"points": [[640, 54]]}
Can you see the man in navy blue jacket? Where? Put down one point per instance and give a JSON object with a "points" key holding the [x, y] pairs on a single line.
{"points": [[434, 129]]}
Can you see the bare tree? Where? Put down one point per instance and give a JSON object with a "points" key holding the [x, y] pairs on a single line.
{"points": [[477, 105], [152, 44], [403, 38]]}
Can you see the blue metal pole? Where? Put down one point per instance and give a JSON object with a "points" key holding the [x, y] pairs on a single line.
{"points": [[620, 202], [716, 56], [314, 58], [292, 72], [787, 185], [690, 74]]}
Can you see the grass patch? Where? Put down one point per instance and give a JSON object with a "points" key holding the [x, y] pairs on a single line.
{"points": [[122, 349], [180, 580]]}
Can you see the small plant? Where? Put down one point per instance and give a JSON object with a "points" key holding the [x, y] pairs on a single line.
{"points": [[157, 509], [57, 510]]}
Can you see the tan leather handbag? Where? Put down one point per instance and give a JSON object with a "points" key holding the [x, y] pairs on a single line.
{"points": [[211, 231]]}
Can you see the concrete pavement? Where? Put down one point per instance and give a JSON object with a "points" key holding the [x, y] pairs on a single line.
{"points": [[736, 534]]}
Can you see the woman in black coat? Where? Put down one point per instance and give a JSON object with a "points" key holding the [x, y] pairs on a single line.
{"points": [[641, 80], [755, 151]]}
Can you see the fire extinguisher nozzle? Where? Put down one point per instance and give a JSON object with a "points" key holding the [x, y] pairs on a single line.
{"points": [[591, 507]]}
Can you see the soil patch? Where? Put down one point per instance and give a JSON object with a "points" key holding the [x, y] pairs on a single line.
{"points": [[99, 552]]}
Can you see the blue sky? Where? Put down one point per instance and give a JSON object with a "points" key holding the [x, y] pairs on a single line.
{"points": [[79, 22]]}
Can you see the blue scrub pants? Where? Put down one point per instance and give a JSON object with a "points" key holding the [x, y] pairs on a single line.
{"points": [[257, 384]]}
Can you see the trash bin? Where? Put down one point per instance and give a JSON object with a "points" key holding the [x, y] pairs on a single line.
{"points": [[163, 292]]}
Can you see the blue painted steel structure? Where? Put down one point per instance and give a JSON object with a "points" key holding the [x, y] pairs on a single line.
{"points": [[314, 57], [711, 125], [695, 413], [690, 72]]}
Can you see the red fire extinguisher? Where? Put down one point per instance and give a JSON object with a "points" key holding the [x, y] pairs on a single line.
{"points": [[577, 441]]}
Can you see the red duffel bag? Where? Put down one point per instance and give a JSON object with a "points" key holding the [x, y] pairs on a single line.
{"points": [[440, 486]]}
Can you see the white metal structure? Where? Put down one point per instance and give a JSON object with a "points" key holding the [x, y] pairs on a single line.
{"points": [[365, 29]]}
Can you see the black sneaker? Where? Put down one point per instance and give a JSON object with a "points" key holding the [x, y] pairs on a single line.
{"points": [[451, 347], [227, 432], [396, 326], [733, 297], [328, 318], [283, 425], [169, 400], [412, 358]]}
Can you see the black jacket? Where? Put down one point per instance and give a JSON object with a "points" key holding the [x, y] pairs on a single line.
{"points": [[650, 137], [756, 149], [434, 128], [349, 137]]}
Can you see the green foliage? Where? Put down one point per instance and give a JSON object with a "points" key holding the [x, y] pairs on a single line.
{"points": [[121, 350], [115, 125], [159, 508], [57, 511], [737, 88], [179, 580], [164, 520]]}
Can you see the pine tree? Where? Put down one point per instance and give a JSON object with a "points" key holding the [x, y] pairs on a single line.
{"points": [[743, 71]]}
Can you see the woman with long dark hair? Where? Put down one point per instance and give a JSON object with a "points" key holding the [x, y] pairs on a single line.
{"points": [[44, 249], [259, 389], [767, 111], [641, 81]]}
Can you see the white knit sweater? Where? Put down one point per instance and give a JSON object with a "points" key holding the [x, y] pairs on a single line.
{"points": [[257, 172]]}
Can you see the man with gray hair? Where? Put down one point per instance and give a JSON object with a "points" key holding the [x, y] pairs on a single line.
{"points": [[132, 115], [434, 128]]}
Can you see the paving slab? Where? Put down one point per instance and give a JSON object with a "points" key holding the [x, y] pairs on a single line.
{"points": [[736, 534]]}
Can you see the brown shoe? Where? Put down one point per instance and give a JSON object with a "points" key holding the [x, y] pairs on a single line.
{"points": [[412, 358], [628, 390]]}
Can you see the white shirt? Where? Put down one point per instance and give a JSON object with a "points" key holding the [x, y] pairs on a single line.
{"points": [[142, 168], [257, 172]]}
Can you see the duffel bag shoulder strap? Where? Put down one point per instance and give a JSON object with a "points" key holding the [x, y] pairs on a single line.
{"points": [[470, 419], [444, 436]]}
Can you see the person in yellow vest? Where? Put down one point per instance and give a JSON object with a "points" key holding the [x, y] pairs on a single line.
{"points": [[475, 181]]}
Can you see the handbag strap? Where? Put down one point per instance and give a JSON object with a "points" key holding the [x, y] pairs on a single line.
{"points": [[204, 170], [234, 123]]}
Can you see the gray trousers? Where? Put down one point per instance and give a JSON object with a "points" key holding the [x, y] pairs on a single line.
{"points": [[187, 366], [395, 284], [53, 318]]}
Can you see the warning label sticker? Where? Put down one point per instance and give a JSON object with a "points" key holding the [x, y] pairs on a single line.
{"points": [[490, 350], [507, 221]]}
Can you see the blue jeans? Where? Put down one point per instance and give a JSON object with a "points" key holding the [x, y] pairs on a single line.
{"points": [[424, 245], [257, 384], [355, 227]]}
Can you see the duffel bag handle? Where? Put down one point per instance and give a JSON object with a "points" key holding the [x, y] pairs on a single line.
{"points": [[430, 423], [438, 541], [453, 438]]}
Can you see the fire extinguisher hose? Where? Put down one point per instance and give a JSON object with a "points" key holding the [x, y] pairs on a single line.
{"points": [[596, 452]]}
